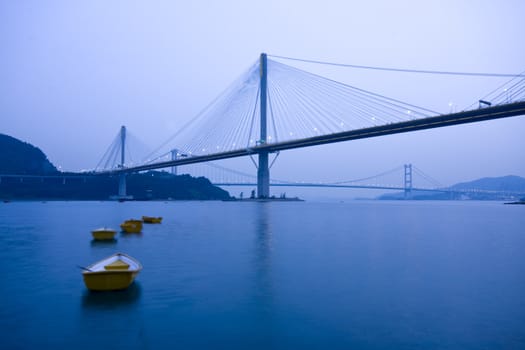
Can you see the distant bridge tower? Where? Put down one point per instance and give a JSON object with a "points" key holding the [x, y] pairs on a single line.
{"points": [[122, 176], [263, 170], [408, 181], [174, 153]]}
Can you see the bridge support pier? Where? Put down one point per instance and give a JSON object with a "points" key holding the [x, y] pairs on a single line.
{"points": [[263, 176], [122, 186]]}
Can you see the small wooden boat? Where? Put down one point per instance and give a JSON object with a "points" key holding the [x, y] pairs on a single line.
{"points": [[131, 226], [104, 233], [152, 219], [115, 272]]}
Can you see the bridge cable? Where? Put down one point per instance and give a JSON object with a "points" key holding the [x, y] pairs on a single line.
{"points": [[237, 172], [358, 89], [500, 88], [367, 178], [253, 116], [404, 70], [108, 151], [272, 116], [199, 115], [433, 181]]}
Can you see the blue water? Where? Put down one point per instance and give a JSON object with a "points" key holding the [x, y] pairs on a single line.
{"points": [[229, 275]]}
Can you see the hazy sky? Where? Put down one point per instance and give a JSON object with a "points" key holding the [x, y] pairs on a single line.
{"points": [[73, 72]]}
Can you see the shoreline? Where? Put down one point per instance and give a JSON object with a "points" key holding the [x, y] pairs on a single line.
{"points": [[271, 199]]}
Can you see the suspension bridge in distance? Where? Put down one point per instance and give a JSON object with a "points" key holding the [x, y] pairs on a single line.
{"points": [[277, 98], [402, 178]]}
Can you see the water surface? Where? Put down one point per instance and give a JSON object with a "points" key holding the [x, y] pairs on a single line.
{"points": [[362, 274]]}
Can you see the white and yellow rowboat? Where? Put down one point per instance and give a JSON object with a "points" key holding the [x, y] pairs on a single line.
{"points": [[115, 272]]}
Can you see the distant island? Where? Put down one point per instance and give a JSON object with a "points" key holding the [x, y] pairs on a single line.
{"points": [[504, 188], [39, 179]]}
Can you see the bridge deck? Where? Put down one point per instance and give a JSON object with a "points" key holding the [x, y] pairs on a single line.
{"points": [[471, 116]]}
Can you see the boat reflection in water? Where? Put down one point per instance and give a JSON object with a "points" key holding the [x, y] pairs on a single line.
{"points": [[104, 243], [152, 219], [112, 300]]}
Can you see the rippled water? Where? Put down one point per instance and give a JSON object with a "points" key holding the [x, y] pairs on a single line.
{"points": [[363, 275]]}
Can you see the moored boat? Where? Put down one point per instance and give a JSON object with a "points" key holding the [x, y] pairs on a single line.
{"points": [[152, 219], [115, 272], [131, 226], [104, 233]]}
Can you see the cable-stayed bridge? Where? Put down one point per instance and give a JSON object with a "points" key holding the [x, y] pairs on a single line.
{"points": [[274, 107]]}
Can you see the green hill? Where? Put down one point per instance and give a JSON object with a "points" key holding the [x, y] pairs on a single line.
{"points": [[39, 179], [17, 157]]}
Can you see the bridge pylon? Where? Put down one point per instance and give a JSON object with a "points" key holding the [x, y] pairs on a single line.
{"points": [[122, 195], [174, 153], [408, 181], [263, 169], [122, 176]]}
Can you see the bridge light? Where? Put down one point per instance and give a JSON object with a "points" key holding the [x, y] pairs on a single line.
{"points": [[507, 91], [315, 129], [291, 133]]}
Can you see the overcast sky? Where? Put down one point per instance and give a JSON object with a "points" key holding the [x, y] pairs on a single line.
{"points": [[73, 72]]}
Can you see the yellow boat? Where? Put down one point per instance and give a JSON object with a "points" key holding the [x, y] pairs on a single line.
{"points": [[115, 272], [104, 233], [152, 219], [131, 226]]}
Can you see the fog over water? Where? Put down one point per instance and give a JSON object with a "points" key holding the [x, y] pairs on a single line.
{"points": [[73, 72]]}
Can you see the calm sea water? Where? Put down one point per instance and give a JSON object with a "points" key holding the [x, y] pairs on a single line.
{"points": [[228, 275]]}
